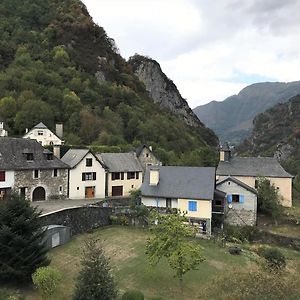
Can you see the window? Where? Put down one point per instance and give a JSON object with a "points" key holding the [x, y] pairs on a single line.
{"points": [[122, 175], [169, 203], [218, 202], [29, 156], [147, 154], [115, 176], [78, 188], [36, 174], [192, 206], [40, 132], [256, 184], [49, 156], [137, 175], [55, 173], [88, 176], [130, 175], [2, 175], [89, 162], [235, 198], [60, 189]]}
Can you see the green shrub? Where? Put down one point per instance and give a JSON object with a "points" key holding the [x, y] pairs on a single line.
{"points": [[133, 295], [274, 257], [241, 233], [46, 280]]}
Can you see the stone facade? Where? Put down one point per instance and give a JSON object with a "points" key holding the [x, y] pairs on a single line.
{"points": [[146, 158], [55, 187], [240, 217]]}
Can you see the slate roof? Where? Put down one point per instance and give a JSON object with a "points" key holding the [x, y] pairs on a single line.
{"points": [[238, 182], [181, 182], [121, 162], [252, 166], [40, 126], [13, 155]]}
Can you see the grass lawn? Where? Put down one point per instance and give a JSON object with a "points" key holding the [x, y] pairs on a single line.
{"points": [[126, 246]]}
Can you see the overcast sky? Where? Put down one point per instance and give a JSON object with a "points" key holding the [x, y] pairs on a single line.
{"points": [[210, 49]]}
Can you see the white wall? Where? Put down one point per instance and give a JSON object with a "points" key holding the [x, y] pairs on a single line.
{"points": [[75, 179], [48, 137], [152, 202], [9, 180]]}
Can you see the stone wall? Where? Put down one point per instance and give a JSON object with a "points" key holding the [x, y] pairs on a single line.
{"points": [[80, 219], [240, 217], [146, 157], [46, 180]]}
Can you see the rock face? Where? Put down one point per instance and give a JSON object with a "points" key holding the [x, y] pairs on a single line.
{"points": [[232, 119], [162, 90]]}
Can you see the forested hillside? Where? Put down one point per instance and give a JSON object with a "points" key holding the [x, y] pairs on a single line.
{"points": [[232, 119], [56, 65]]}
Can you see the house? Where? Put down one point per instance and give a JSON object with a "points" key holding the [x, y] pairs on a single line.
{"points": [[30, 170], [44, 135], [189, 189], [249, 169], [241, 207], [147, 157], [86, 174], [3, 128], [125, 173]]}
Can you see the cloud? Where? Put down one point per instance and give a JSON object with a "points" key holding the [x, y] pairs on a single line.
{"points": [[210, 49]]}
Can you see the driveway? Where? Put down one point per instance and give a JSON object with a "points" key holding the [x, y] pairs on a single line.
{"points": [[55, 205]]}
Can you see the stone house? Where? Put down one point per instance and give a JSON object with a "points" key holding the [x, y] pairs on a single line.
{"points": [[146, 157], [249, 169], [30, 170], [241, 206], [124, 173], [188, 189], [44, 135], [86, 174]]}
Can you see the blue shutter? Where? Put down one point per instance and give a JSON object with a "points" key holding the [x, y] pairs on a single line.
{"points": [[192, 206], [229, 198], [242, 199]]}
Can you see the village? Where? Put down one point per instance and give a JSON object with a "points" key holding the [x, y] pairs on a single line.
{"points": [[230, 190]]}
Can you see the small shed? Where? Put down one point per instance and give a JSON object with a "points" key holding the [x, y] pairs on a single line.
{"points": [[56, 235]]}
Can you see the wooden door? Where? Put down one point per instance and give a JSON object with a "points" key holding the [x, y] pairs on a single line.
{"points": [[117, 190], [90, 192]]}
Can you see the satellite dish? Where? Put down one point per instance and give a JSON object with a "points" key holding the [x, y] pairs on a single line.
{"points": [[229, 205]]}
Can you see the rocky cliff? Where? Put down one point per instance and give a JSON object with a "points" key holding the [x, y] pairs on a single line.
{"points": [[163, 90], [232, 119]]}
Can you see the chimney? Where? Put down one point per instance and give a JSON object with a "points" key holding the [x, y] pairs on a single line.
{"points": [[56, 151], [225, 153], [59, 130], [150, 148], [154, 177]]}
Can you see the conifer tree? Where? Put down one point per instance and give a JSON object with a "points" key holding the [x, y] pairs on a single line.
{"points": [[21, 240], [95, 280]]}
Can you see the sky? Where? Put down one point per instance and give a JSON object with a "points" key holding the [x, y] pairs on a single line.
{"points": [[210, 49]]}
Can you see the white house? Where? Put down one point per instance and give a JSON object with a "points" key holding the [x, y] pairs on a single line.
{"points": [[3, 129], [86, 174], [125, 173], [241, 207], [44, 135]]}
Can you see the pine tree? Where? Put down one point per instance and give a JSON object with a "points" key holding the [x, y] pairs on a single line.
{"points": [[95, 280], [21, 240]]}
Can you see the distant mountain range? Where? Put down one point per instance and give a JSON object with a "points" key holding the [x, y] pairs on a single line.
{"points": [[232, 119]]}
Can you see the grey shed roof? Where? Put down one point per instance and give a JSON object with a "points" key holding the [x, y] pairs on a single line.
{"points": [[181, 182], [252, 166], [238, 182], [40, 126], [13, 155], [74, 156], [121, 162]]}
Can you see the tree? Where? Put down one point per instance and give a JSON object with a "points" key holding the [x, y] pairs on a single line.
{"points": [[21, 240], [172, 240], [95, 280], [268, 199]]}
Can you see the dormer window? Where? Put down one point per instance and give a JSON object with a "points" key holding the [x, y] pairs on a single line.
{"points": [[29, 156], [49, 156]]}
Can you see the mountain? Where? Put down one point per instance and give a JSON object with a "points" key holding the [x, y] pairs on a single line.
{"points": [[161, 89], [57, 65], [232, 119]]}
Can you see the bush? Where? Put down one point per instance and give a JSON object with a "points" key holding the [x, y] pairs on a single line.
{"points": [[241, 233], [274, 257], [46, 280], [133, 295]]}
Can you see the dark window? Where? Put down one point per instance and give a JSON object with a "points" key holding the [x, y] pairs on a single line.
{"points": [[115, 176], [122, 175], [36, 174], [147, 154], [218, 202], [49, 156], [169, 202], [256, 183], [137, 175], [130, 175], [88, 176], [40, 132], [60, 188], [29, 156], [55, 172], [89, 162], [78, 188], [2, 175], [236, 198]]}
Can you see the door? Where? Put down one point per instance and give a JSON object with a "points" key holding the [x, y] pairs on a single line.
{"points": [[39, 194], [117, 190], [90, 192]]}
